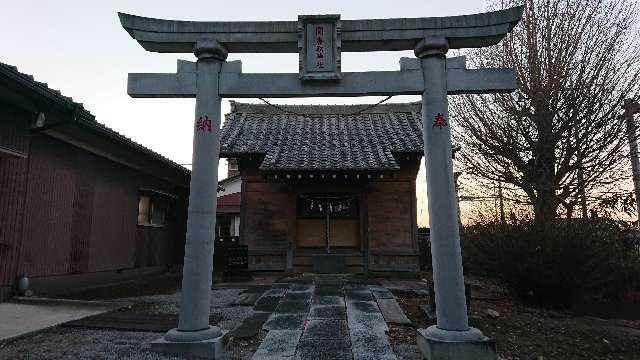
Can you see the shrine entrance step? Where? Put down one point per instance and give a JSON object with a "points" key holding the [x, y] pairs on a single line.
{"points": [[308, 260], [329, 264]]}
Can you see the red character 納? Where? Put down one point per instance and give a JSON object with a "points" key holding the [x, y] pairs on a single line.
{"points": [[203, 124]]}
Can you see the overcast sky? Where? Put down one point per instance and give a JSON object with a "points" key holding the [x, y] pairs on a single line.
{"points": [[79, 48]]}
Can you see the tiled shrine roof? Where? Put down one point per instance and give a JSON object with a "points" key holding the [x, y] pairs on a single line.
{"points": [[323, 137]]}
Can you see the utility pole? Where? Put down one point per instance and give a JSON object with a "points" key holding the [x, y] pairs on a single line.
{"points": [[581, 187], [631, 107], [503, 220], [582, 194], [454, 149], [456, 176]]}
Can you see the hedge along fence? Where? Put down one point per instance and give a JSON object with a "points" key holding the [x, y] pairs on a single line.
{"points": [[596, 259]]}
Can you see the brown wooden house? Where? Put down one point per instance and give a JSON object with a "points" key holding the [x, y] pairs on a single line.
{"points": [[80, 205], [327, 180]]}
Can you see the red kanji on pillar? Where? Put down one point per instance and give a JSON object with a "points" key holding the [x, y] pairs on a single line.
{"points": [[439, 121], [203, 124]]}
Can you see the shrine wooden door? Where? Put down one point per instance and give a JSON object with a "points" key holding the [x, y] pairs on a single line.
{"points": [[327, 221]]}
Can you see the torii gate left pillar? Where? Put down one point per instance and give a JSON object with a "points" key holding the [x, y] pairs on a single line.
{"points": [[194, 336]]}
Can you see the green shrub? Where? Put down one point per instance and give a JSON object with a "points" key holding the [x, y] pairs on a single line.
{"points": [[570, 261]]}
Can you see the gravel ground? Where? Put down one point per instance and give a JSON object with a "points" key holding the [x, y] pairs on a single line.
{"points": [[221, 303], [66, 343], [407, 352], [70, 343], [169, 304]]}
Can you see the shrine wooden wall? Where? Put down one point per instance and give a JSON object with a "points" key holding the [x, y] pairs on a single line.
{"points": [[387, 206]]}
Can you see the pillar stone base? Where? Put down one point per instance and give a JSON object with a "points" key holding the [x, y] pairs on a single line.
{"points": [[438, 344], [211, 348]]}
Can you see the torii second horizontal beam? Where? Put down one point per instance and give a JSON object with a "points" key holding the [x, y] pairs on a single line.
{"points": [[235, 84]]}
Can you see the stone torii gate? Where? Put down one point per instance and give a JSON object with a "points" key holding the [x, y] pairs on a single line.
{"points": [[320, 39]]}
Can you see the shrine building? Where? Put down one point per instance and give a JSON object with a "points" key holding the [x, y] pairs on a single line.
{"points": [[326, 179]]}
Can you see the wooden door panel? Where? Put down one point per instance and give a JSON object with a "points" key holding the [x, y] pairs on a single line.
{"points": [[344, 233], [311, 233]]}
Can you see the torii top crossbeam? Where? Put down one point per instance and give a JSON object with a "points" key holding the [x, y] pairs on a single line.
{"points": [[466, 31]]}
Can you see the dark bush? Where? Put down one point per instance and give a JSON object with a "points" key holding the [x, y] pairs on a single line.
{"points": [[568, 262]]}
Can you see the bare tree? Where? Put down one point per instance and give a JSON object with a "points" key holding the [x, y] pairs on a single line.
{"points": [[559, 135]]}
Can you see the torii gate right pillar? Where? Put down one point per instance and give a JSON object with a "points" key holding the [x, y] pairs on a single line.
{"points": [[451, 338]]}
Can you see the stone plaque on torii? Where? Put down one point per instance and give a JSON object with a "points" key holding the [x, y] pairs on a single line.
{"points": [[319, 39]]}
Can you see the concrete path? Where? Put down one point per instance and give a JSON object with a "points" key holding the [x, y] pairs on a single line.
{"points": [[327, 317], [25, 315]]}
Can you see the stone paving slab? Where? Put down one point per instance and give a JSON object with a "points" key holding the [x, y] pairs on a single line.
{"points": [[298, 296], [278, 344], [328, 300], [131, 321], [370, 345], [360, 281], [328, 290], [267, 303], [358, 295], [371, 322], [250, 326], [326, 330], [276, 292], [377, 288], [324, 350], [295, 288], [382, 294], [256, 289], [369, 307], [280, 286], [285, 322], [365, 315], [297, 280], [392, 312], [293, 307], [355, 287], [247, 299], [330, 279], [327, 312]]}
